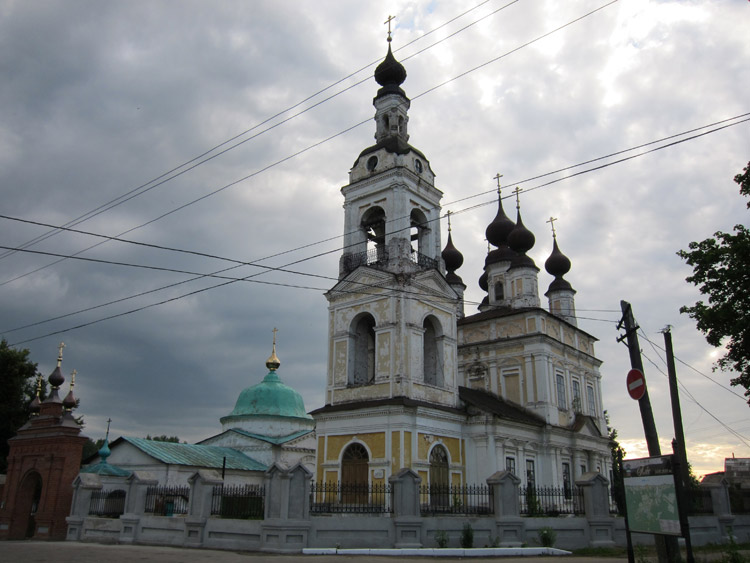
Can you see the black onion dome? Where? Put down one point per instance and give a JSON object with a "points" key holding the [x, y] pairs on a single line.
{"points": [[502, 254], [452, 257], [520, 238], [497, 232], [35, 405], [56, 378], [483, 281], [69, 402], [390, 71], [557, 264]]}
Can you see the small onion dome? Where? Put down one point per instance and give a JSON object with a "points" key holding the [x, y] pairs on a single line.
{"points": [[390, 74], [497, 232], [56, 378], [104, 451], [69, 402], [483, 281], [35, 405], [452, 257], [273, 362], [520, 238], [557, 264], [502, 254]]}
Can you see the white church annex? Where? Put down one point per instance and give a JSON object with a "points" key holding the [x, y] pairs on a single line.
{"points": [[414, 383]]}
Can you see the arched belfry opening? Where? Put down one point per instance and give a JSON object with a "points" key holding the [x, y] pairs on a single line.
{"points": [[419, 231], [362, 350], [373, 226], [432, 346]]}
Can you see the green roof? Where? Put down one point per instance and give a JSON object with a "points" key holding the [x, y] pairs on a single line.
{"points": [[195, 454], [270, 397], [104, 468]]}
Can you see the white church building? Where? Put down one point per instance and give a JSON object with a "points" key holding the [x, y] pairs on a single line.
{"points": [[412, 381]]}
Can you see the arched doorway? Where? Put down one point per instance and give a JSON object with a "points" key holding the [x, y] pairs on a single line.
{"points": [[354, 478], [439, 478], [23, 523]]}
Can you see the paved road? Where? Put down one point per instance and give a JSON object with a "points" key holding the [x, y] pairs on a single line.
{"points": [[76, 552]]}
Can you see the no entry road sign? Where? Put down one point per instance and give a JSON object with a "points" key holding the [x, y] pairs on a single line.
{"points": [[636, 384]]}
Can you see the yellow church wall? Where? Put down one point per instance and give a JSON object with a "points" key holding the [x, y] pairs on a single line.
{"points": [[513, 387], [407, 449], [455, 479], [424, 499], [374, 441], [425, 441]]}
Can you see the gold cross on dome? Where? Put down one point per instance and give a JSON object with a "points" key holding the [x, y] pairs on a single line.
{"points": [[73, 378], [552, 224], [497, 177], [388, 21], [449, 220], [518, 191], [59, 354], [275, 330]]}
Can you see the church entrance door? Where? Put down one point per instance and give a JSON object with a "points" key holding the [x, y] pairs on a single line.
{"points": [[439, 479], [23, 524], [354, 478]]}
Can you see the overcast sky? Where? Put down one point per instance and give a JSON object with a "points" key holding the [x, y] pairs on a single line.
{"points": [[100, 99]]}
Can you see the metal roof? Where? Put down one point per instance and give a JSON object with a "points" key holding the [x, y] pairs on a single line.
{"points": [[195, 454]]}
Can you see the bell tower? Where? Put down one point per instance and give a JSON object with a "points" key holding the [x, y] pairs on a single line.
{"points": [[392, 315]]}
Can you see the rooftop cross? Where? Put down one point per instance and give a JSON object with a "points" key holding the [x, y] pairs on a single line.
{"points": [[497, 177], [73, 378], [552, 224], [518, 191], [449, 220], [108, 421], [59, 354], [388, 21]]}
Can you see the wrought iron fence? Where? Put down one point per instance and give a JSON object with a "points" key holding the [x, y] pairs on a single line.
{"points": [[551, 501], [456, 499], [167, 501], [699, 501], [243, 502], [375, 257], [107, 504], [350, 498], [424, 261]]}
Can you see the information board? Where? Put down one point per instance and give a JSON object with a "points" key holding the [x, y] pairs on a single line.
{"points": [[650, 496]]}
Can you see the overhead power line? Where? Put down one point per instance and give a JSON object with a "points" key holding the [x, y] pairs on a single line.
{"points": [[240, 263], [200, 160], [304, 150]]}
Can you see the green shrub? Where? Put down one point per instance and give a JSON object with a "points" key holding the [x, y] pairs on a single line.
{"points": [[547, 536], [441, 538]]}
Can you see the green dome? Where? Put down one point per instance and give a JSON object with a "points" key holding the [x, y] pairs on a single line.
{"points": [[270, 397]]}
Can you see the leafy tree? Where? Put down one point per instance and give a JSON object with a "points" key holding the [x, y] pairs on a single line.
{"points": [[90, 448], [721, 270], [163, 438], [18, 383], [617, 453]]}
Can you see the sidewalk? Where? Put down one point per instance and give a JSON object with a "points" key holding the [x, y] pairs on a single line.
{"points": [[77, 552]]}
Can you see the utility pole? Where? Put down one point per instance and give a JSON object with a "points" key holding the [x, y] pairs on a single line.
{"points": [[679, 441], [666, 547]]}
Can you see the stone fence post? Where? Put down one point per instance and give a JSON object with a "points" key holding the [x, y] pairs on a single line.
{"points": [[83, 487], [722, 507], [507, 508], [287, 509], [407, 517], [202, 485], [135, 504], [595, 488]]}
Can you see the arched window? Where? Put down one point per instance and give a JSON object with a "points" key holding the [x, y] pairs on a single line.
{"points": [[499, 291], [362, 351], [354, 469], [439, 478], [433, 352]]}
